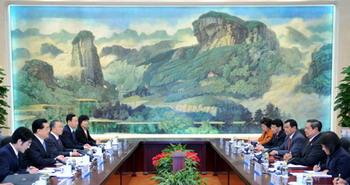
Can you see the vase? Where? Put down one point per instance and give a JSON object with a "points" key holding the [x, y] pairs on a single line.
{"points": [[178, 161]]}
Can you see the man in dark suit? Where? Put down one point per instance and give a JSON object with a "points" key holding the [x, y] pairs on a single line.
{"points": [[294, 141], [312, 153], [68, 136], [38, 154], [11, 160], [54, 143]]}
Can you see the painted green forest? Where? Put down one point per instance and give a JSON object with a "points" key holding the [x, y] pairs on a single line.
{"points": [[218, 72]]}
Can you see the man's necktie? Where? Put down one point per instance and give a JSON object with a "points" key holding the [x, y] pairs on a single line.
{"points": [[73, 134], [59, 142], [289, 143], [44, 145]]}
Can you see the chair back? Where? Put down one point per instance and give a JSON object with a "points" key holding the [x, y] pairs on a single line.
{"points": [[345, 143], [5, 140]]}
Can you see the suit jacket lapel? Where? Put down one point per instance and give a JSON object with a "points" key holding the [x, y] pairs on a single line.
{"points": [[41, 147]]}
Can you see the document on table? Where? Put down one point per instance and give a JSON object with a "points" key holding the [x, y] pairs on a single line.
{"points": [[312, 173], [296, 166]]}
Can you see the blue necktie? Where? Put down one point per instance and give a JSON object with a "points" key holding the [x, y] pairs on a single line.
{"points": [[44, 145]]}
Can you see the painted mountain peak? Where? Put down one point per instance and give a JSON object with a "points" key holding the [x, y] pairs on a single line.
{"points": [[84, 55], [215, 29]]}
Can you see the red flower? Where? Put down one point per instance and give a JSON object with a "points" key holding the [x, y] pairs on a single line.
{"points": [[193, 156], [155, 159]]}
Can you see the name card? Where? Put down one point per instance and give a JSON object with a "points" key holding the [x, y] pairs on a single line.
{"points": [[275, 179], [227, 148], [246, 159], [246, 168], [258, 168], [85, 171], [99, 160]]}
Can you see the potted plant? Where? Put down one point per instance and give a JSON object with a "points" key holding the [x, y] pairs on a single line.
{"points": [[3, 103], [342, 102], [188, 175]]}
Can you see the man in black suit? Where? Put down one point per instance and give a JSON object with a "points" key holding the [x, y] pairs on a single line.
{"points": [[54, 143], [11, 159], [312, 153], [38, 154], [294, 141], [68, 136]]}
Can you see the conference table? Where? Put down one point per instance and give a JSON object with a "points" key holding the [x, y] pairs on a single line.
{"points": [[136, 156]]}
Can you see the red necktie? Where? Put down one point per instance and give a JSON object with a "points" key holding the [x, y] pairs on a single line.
{"points": [[289, 143]]}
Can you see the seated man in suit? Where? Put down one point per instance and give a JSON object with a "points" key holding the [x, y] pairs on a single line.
{"points": [[11, 160], [68, 136], [82, 134], [38, 155], [54, 143], [294, 142], [312, 153]]}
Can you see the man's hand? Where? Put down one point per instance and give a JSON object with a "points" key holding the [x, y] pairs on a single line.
{"points": [[32, 170], [87, 146], [287, 156], [60, 157], [339, 181], [76, 154], [273, 152], [317, 168], [259, 147]]}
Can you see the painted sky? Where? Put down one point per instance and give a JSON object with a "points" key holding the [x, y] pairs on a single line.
{"points": [[120, 18]]}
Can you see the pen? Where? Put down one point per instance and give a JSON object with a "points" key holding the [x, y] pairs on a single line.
{"points": [[338, 177]]}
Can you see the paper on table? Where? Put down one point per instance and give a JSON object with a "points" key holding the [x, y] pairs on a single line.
{"points": [[47, 170], [317, 174], [296, 166], [296, 173]]}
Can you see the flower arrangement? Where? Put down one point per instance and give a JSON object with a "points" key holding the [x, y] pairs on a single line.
{"points": [[189, 175]]}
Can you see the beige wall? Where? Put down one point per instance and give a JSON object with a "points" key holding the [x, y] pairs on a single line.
{"points": [[342, 34]]}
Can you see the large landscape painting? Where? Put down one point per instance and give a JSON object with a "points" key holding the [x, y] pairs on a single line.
{"points": [[168, 69]]}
